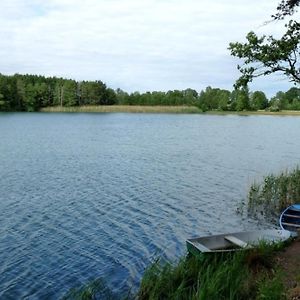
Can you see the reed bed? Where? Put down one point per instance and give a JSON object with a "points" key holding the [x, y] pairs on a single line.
{"points": [[159, 109], [258, 112], [122, 108], [274, 193]]}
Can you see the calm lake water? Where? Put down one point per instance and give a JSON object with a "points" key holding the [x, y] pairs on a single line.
{"points": [[84, 196]]}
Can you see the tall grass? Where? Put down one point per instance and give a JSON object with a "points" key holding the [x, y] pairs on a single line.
{"points": [[157, 109], [275, 193], [96, 289], [124, 108], [236, 275], [250, 274]]}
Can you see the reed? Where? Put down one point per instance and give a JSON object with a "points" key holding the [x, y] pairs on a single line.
{"points": [[237, 275], [258, 112], [159, 109], [122, 108], [274, 193], [96, 289]]}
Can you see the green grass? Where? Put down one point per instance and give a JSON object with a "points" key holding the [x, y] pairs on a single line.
{"points": [[271, 287], [96, 289], [249, 274], [236, 275], [274, 193], [215, 276]]}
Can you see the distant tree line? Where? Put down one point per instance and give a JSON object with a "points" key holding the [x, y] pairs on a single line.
{"points": [[32, 92]]}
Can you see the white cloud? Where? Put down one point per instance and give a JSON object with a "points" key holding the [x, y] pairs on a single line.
{"points": [[135, 45]]}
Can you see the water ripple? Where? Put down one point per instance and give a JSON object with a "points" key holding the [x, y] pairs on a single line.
{"points": [[102, 195]]}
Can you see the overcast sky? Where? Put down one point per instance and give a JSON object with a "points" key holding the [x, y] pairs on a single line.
{"points": [[133, 44]]}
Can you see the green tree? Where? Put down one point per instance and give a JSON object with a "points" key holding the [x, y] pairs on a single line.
{"points": [[31, 92], [242, 99], [278, 102], [109, 97], [190, 96], [69, 89], [2, 103], [121, 97], [266, 55], [21, 94], [214, 98], [92, 92], [223, 97], [286, 8], [258, 100]]}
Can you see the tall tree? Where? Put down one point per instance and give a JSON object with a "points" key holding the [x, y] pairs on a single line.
{"points": [[266, 55], [242, 99], [286, 8], [258, 100]]}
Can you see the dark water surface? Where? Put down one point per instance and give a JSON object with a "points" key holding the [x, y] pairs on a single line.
{"points": [[84, 196]]}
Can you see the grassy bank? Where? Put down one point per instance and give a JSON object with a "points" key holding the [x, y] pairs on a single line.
{"points": [[160, 109], [251, 274], [123, 108], [237, 275]]}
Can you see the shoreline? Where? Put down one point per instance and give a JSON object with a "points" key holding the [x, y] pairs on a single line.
{"points": [[160, 109]]}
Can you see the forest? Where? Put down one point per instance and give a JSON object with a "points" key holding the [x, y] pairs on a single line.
{"points": [[33, 92]]}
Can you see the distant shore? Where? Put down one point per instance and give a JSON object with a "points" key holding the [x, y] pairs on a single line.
{"points": [[160, 109], [123, 108]]}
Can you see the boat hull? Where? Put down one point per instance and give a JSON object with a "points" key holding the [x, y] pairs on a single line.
{"points": [[290, 218], [235, 241]]}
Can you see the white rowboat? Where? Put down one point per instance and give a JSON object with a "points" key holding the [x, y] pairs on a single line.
{"points": [[235, 241]]}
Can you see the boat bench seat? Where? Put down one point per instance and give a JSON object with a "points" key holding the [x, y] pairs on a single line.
{"points": [[232, 239], [202, 248], [292, 216], [291, 224]]}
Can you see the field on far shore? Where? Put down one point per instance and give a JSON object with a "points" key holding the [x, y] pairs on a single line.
{"points": [[183, 109]]}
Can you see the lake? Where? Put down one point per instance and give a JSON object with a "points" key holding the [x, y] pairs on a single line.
{"points": [[84, 196]]}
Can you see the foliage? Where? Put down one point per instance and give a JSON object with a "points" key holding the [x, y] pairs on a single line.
{"points": [[32, 92], [271, 288], [96, 289], [242, 99], [286, 8], [174, 98], [289, 100], [258, 100], [275, 193], [267, 55], [214, 99]]}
